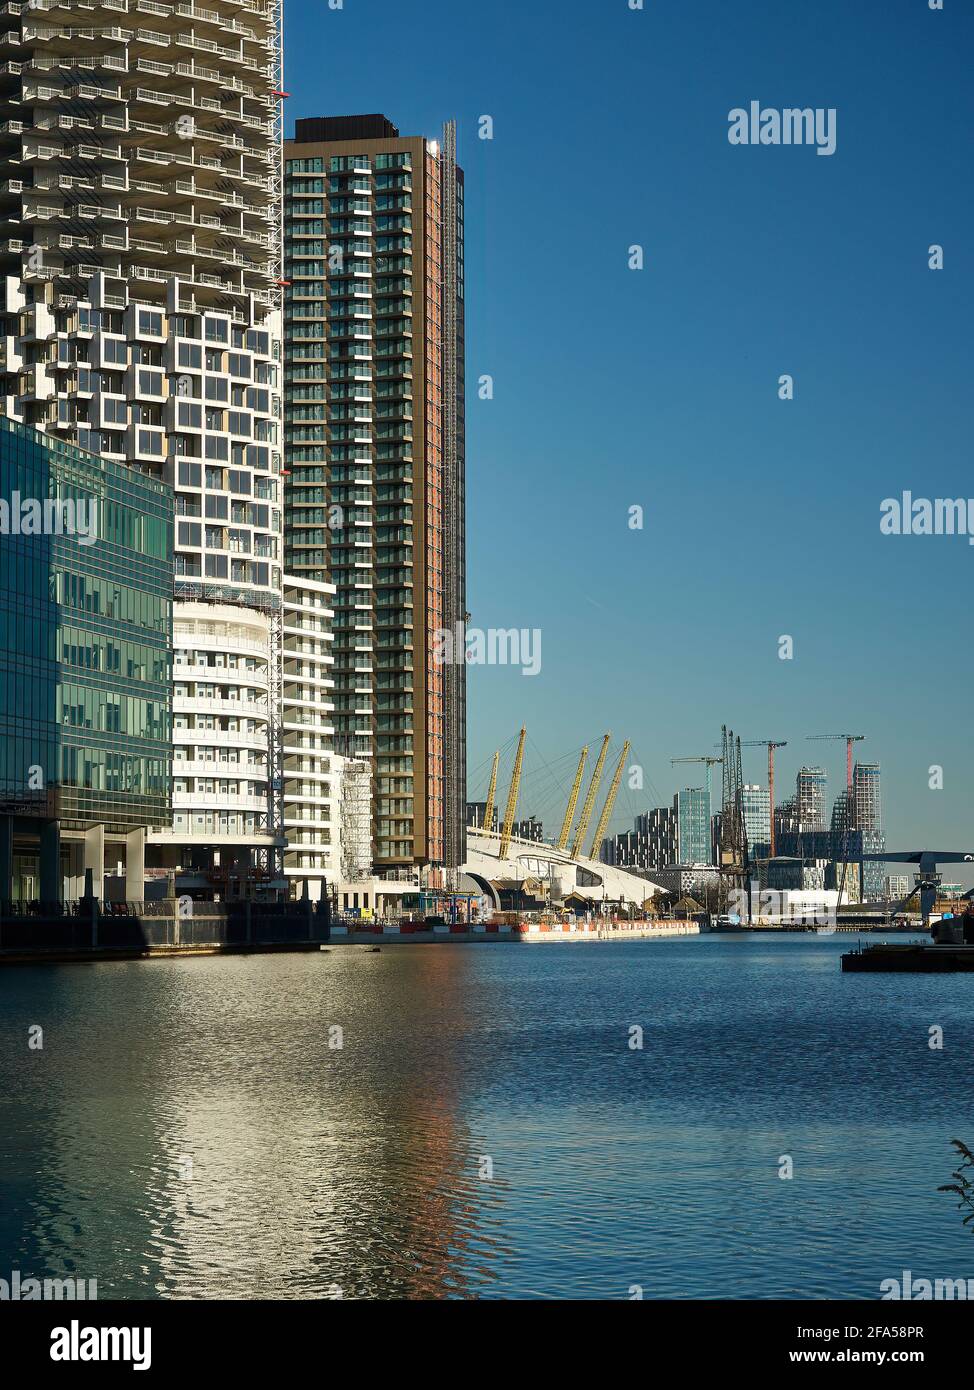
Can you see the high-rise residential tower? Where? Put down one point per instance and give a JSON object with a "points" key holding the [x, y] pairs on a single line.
{"points": [[810, 798], [374, 451], [868, 810], [140, 179]]}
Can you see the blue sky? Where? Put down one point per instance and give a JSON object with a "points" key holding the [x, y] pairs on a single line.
{"points": [[659, 387]]}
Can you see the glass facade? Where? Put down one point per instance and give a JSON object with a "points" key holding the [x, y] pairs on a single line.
{"points": [[692, 807], [757, 817], [85, 637]]}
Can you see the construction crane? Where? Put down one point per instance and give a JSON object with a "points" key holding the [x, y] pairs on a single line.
{"points": [[733, 858], [850, 739], [590, 795], [849, 814], [508, 826], [609, 802], [711, 763], [488, 825], [771, 744], [566, 825]]}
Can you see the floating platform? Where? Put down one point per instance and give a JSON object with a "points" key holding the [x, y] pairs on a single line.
{"points": [[360, 933], [921, 958]]}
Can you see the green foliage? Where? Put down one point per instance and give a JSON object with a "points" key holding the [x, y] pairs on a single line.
{"points": [[962, 1186]]}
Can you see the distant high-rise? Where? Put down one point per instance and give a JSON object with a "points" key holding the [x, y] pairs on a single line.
{"points": [[810, 798], [650, 844], [868, 812], [374, 445], [692, 809], [757, 816]]}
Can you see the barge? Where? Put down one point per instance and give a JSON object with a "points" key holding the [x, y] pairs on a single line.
{"points": [[924, 957]]}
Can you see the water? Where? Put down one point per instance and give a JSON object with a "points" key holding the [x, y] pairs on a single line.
{"points": [[187, 1132]]}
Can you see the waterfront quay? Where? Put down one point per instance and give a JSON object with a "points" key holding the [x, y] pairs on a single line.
{"points": [[88, 930]]}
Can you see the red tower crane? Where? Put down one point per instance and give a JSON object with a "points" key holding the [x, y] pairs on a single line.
{"points": [[850, 739]]}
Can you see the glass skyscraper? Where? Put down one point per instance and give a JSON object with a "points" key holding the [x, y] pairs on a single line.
{"points": [[692, 807], [757, 817]]}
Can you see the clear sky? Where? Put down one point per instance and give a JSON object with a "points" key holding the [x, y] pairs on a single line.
{"points": [[658, 388]]}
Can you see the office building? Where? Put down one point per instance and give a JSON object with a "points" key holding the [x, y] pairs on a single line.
{"points": [[691, 808], [140, 169], [757, 818], [85, 641], [374, 442]]}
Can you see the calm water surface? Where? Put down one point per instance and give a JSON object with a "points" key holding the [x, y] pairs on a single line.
{"points": [[187, 1132]]}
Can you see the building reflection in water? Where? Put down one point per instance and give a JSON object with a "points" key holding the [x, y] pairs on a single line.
{"points": [[188, 1131]]}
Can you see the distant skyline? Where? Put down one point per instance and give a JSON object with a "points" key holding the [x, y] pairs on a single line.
{"points": [[659, 387]]}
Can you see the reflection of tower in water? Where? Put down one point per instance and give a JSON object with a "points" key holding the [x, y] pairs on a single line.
{"points": [[203, 1139]]}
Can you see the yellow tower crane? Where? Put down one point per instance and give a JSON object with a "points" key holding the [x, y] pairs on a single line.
{"points": [[609, 802], [590, 795], [488, 825], [566, 825], [508, 825]]}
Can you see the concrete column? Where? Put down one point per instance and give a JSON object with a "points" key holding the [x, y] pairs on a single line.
{"points": [[135, 865], [50, 858], [94, 859], [6, 858]]}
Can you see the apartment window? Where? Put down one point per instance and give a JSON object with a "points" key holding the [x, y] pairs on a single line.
{"points": [[217, 331], [217, 447], [150, 443], [114, 351], [190, 355], [150, 383]]}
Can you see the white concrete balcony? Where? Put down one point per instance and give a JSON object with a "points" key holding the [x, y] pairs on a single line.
{"points": [[189, 704], [219, 675], [219, 738], [200, 767], [219, 801]]}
